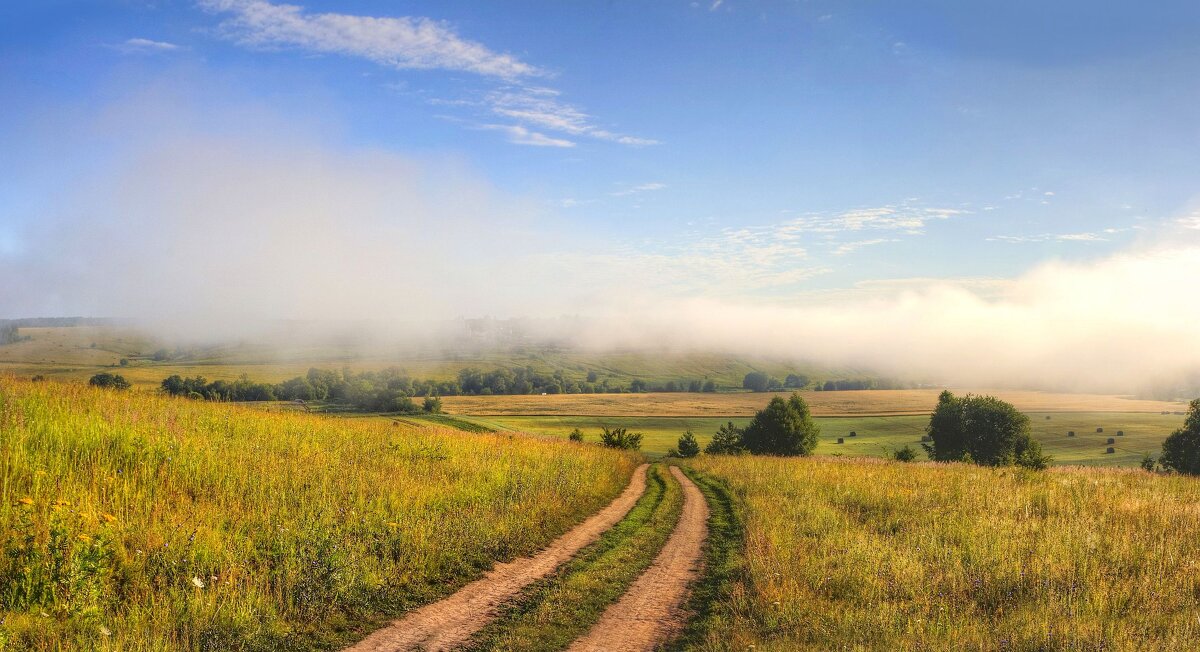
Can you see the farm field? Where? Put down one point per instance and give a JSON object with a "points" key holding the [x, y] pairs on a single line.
{"points": [[854, 554], [835, 403], [132, 521], [876, 436]]}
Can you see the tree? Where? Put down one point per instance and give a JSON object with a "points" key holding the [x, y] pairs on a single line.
{"points": [[637, 385], [796, 381], [1181, 450], [983, 429], [687, 446], [726, 441], [756, 381], [576, 435], [709, 387], [109, 381], [782, 428], [620, 438], [433, 404]]}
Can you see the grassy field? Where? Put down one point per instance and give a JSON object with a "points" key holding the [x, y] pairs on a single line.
{"points": [[855, 554], [137, 522], [877, 436]]}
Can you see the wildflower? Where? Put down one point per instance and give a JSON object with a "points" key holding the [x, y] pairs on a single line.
{"points": [[393, 524], [25, 501], [197, 582], [105, 631], [60, 503], [84, 538], [108, 518]]}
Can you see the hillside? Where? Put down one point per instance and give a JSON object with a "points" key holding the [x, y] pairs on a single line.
{"points": [[139, 522]]}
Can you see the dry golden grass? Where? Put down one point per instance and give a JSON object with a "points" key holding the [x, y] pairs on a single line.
{"points": [[131, 521], [849, 403], [863, 555]]}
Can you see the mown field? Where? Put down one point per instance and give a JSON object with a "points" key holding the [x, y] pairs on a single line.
{"points": [[878, 436], [855, 554], [131, 521]]}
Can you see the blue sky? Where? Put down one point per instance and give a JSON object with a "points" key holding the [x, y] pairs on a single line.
{"points": [[797, 147]]}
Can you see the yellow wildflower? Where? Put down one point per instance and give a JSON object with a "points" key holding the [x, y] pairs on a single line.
{"points": [[393, 524], [26, 501], [84, 538], [108, 518]]}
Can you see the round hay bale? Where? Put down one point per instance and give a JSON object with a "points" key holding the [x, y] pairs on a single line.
{"points": [[1070, 433], [853, 434], [1120, 433], [1110, 450], [841, 441], [1111, 440], [1047, 417], [1099, 429]]}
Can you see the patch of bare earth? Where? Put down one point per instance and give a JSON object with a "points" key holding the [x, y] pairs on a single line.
{"points": [[650, 612], [448, 624]]}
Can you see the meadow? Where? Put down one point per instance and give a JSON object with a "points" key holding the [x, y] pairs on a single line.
{"points": [[132, 521], [860, 554], [879, 436]]}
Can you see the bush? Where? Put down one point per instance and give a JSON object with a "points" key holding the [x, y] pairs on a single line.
{"points": [[906, 454], [576, 435], [109, 381], [756, 381], [984, 430], [620, 438], [727, 441], [688, 446], [782, 428], [1148, 462], [1181, 450], [432, 404]]}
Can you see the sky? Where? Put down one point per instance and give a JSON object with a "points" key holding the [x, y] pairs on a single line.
{"points": [[764, 160]]}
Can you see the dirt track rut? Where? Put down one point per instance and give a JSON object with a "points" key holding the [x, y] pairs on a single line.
{"points": [[649, 613], [448, 624]]}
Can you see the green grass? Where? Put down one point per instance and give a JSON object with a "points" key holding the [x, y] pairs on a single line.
{"points": [[137, 522], [873, 555], [563, 607], [876, 436]]}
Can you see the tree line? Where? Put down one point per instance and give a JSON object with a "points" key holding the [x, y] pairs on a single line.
{"points": [[758, 381]]}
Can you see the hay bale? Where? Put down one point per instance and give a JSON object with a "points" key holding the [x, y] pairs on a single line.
{"points": [[1099, 429], [1110, 450], [853, 434], [1120, 433], [841, 441], [1070, 433], [1112, 440]]}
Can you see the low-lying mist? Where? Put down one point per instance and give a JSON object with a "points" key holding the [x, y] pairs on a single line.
{"points": [[209, 232]]}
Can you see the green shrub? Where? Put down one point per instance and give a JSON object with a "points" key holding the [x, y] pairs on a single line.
{"points": [[620, 438], [1181, 450], [688, 446]]}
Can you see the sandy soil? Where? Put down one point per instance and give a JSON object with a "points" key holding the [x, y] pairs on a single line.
{"points": [[449, 623], [649, 613]]}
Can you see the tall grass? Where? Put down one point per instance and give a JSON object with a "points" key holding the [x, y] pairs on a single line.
{"points": [[859, 554], [135, 522]]}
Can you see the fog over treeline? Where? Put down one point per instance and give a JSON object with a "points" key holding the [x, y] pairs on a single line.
{"points": [[208, 234]]}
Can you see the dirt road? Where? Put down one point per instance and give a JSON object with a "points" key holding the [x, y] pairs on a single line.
{"points": [[649, 612], [449, 623]]}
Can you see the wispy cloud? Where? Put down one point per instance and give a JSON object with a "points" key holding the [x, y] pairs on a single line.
{"points": [[423, 43], [850, 247], [1057, 237], [905, 217], [403, 42], [633, 190], [519, 135], [1190, 222], [145, 46]]}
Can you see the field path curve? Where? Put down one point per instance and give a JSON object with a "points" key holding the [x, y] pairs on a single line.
{"points": [[449, 623], [650, 611]]}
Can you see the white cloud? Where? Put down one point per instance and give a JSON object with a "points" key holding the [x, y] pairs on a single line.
{"points": [[519, 135], [633, 190], [404, 42], [904, 217], [540, 107], [849, 247], [1057, 237], [145, 46], [1190, 222]]}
